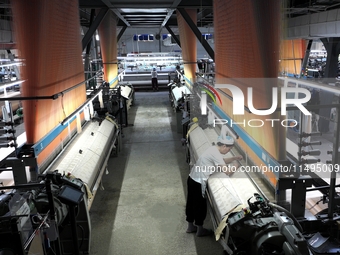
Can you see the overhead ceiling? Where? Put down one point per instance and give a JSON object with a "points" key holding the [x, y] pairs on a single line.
{"points": [[157, 12], [150, 13], [302, 7], [160, 13]]}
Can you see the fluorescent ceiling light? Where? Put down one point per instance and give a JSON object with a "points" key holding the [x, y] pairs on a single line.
{"points": [[144, 10], [137, 15]]}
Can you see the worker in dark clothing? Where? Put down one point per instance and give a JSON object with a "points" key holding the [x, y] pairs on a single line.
{"points": [[154, 80]]}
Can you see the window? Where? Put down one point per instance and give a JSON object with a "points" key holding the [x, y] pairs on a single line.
{"points": [[207, 36], [143, 37]]}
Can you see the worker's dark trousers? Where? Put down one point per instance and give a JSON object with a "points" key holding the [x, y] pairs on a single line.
{"points": [[154, 82], [196, 208]]}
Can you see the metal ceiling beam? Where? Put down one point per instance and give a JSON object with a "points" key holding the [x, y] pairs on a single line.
{"points": [[88, 47], [172, 21], [121, 17], [121, 32], [117, 12], [204, 13], [84, 14], [94, 26], [91, 4], [195, 4], [197, 32], [176, 3], [173, 35], [168, 16]]}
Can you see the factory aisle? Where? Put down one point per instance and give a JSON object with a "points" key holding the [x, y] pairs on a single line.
{"points": [[142, 207]]}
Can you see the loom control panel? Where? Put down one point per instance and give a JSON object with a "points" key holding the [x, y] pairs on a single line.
{"points": [[237, 217]]}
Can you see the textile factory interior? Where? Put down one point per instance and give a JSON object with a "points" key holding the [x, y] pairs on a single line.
{"points": [[95, 156]]}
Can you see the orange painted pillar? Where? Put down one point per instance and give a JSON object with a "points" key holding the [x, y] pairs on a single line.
{"points": [[188, 45], [49, 42], [247, 39], [108, 44]]}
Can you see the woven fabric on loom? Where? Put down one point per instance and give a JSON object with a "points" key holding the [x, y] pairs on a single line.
{"points": [[291, 53], [49, 42], [247, 40], [108, 43]]}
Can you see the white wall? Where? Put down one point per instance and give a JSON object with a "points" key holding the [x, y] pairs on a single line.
{"points": [[6, 36], [156, 45]]}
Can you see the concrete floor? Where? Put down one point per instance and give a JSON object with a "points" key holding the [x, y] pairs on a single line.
{"points": [[142, 207]]}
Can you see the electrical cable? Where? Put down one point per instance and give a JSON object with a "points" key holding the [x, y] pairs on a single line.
{"points": [[62, 105], [82, 231], [280, 208], [315, 204], [51, 250]]}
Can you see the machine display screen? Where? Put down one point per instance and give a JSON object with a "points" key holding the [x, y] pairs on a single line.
{"points": [[71, 195]]}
